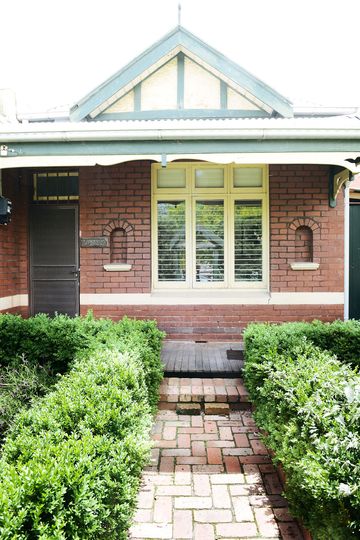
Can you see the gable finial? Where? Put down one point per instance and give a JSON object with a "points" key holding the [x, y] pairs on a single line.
{"points": [[179, 14]]}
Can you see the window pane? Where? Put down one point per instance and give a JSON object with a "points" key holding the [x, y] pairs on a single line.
{"points": [[248, 241], [171, 241], [171, 178], [248, 177], [209, 241], [209, 178], [56, 186]]}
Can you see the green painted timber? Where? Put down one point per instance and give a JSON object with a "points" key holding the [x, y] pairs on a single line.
{"points": [[137, 97], [180, 81], [184, 113], [158, 147], [223, 95]]}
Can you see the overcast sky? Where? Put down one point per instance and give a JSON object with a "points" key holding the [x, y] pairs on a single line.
{"points": [[53, 52]]}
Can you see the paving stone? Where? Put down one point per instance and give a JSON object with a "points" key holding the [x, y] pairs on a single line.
{"points": [[221, 496], [183, 526], [242, 509], [214, 456], [266, 522], [163, 509], [216, 408], [204, 531], [213, 516], [232, 464], [151, 530], [198, 448], [193, 502], [236, 530], [202, 483]]}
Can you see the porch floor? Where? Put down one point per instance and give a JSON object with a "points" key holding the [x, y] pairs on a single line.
{"points": [[194, 359]]}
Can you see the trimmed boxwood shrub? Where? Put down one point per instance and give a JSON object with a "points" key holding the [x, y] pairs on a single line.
{"points": [[341, 338], [34, 351], [308, 404], [71, 463]]}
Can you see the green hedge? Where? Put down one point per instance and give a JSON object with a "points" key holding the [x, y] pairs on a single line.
{"points": [[34, 351], [308, 404], [71, 463], [338, 337]]}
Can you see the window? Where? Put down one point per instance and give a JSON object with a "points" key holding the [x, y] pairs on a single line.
{"points": [[56, 186], [209, 226]]}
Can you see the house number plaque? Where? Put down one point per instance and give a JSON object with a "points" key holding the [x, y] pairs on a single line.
{"points": [[94, 242]]}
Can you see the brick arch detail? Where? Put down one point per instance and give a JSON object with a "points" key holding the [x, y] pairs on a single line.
{"points": [[311, 224], [118, 224]]}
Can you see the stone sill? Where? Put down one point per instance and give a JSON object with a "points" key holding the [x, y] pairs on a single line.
{"points": [[304, 266], [117, 267]]}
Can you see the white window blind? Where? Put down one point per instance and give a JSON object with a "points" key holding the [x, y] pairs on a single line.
{"points": [[209, 241], [248, 240], [171, 241]]}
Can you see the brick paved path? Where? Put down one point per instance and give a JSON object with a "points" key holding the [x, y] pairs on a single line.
{"points": [[210, 478]]}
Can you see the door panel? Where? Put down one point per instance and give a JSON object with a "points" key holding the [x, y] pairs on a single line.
{"points": [[54, 260], [354, 271]]}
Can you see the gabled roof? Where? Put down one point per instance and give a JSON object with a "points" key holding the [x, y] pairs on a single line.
{"points": [[179, 43]]}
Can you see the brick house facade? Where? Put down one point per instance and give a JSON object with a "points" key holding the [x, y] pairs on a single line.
{"points": [[111, 147]]}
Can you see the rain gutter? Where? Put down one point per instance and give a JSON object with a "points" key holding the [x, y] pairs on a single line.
{"points": [[101, 134]]}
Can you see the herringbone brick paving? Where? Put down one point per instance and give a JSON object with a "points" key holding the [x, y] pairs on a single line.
{"points": [[211, 478]]}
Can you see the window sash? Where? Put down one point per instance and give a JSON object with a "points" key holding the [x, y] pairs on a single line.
{"points": [[230, 200]]}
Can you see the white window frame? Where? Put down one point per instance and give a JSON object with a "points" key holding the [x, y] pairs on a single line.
{"points": [[229, 194]]}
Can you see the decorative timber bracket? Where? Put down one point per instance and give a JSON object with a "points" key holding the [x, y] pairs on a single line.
{"points": [[337, 178]]}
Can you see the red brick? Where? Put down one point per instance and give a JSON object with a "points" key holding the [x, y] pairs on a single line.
{"points": [[232, 464], [214, 456], [198, 448]]}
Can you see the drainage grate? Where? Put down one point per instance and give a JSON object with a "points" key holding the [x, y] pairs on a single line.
{"points": [[233, 354]]}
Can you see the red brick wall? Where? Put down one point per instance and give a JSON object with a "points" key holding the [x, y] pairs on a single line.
{"points": [[217, 322], [14, 238], [301, 191], [298, 197], [109, 195]]}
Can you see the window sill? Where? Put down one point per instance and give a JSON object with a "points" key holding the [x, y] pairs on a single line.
{"points": [[117, 267], [304, 266]]}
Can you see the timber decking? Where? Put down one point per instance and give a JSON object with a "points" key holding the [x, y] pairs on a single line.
{"points": [[192, 359]]}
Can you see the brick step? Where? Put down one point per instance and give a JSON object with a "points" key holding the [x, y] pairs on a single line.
{"points": [[202, 391], [207, 408]]}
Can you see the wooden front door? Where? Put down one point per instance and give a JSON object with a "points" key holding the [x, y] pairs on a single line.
{"points": [[54, 259], [354, 271]]}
